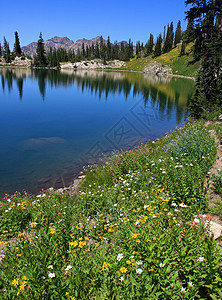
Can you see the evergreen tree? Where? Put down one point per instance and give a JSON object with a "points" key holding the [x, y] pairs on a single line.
{"points": [[168, 45], [0, 50], [138, 50], [108, 55], [6, 52], [206, 17], [17, 49], [189, 32], [149, 46], [178, 34], [83, 51], [130, 48], [158, 46], [183, 48], [97, 52], [40, 58], [164, 34]]}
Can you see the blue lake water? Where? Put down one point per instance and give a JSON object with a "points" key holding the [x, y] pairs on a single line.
{"points": [[54, 122]]}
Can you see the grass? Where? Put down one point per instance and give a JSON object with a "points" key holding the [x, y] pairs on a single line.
{"points": [[135, 230], [181, 65]]}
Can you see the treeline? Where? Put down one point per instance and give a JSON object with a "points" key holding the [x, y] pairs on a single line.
{"points": [[6, 52], [100, 50], [104, 50]]}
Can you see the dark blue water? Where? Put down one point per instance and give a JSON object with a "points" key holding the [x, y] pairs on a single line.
{"points": [[52, 123]]}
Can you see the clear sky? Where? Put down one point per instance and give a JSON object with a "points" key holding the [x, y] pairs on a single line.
{"points": [[76, 19]]}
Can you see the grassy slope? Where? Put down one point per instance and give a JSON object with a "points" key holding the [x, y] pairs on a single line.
{"points": [[179, 65]]}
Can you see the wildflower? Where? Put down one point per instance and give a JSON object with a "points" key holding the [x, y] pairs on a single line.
{"points": [[183, 290], [74, 244], [135, 235], [138, 241], [190, 284], [51, 275], [50, 267], [201, 259], [15, 282], [68, 268], [52, 230], [209, 218], [151, 269], [196, 220], [119, 256], [81, 244], [105, 266], [123, 270], [162, 265], [139, 263], [139, 271], [121, 278]]}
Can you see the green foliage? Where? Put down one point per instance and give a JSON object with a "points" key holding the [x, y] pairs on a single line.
{"points": [[217, 182], [17, 49], [123, 235], [168, 44], [6, 52], [158, 47], [149, 46], [40, 58], [208, 47], [178, 34]]}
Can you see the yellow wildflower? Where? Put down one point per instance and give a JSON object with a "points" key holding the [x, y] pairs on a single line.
{"points": [[15, 282], [105, 266], [74, 244], [123, 270]]}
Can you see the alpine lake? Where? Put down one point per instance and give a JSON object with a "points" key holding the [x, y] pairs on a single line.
{"points": [[52, 123]]}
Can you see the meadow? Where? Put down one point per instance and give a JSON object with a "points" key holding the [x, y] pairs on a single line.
{"points": [[136, 229]]}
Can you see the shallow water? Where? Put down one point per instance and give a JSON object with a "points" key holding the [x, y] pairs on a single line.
{"points": [[54, 122]]}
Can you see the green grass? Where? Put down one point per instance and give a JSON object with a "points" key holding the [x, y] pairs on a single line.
{"points": [[181, 65], [133, 231]]}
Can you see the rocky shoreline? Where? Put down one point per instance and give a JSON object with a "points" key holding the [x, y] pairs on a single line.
{"points": [[153, 67]]}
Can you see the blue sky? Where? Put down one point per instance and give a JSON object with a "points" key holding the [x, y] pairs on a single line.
{"points": [[120, 19]]}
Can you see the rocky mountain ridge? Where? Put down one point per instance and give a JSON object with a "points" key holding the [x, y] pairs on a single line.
{"points": [[62, 42]]}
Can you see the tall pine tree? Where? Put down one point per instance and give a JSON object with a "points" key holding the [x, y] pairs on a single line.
{"points": [[17, 49], [178, 34], [158, 46], [40, 58], [206, 17], [6, 51], [168, 45]]}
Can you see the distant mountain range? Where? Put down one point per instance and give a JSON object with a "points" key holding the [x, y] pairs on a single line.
{"points": [[62, 42]]}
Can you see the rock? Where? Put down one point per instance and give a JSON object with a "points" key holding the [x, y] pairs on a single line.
{"points": [[215, 229], [157, 69], [91, 64]]}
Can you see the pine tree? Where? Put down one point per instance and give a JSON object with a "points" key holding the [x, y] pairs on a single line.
{"points": [[149, 46], [168, 45], [40, 58], [17, 49], [178, 34], [6, 52], [183, 48], [158, 46], [108, 55], [189, 32], [83, 54], [206, 15], [0, 50]]}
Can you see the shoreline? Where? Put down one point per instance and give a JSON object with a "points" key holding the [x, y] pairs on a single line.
{"points": [[109, 69]]}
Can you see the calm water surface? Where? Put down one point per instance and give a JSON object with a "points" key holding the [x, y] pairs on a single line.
{"points": [[52, 123]]}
